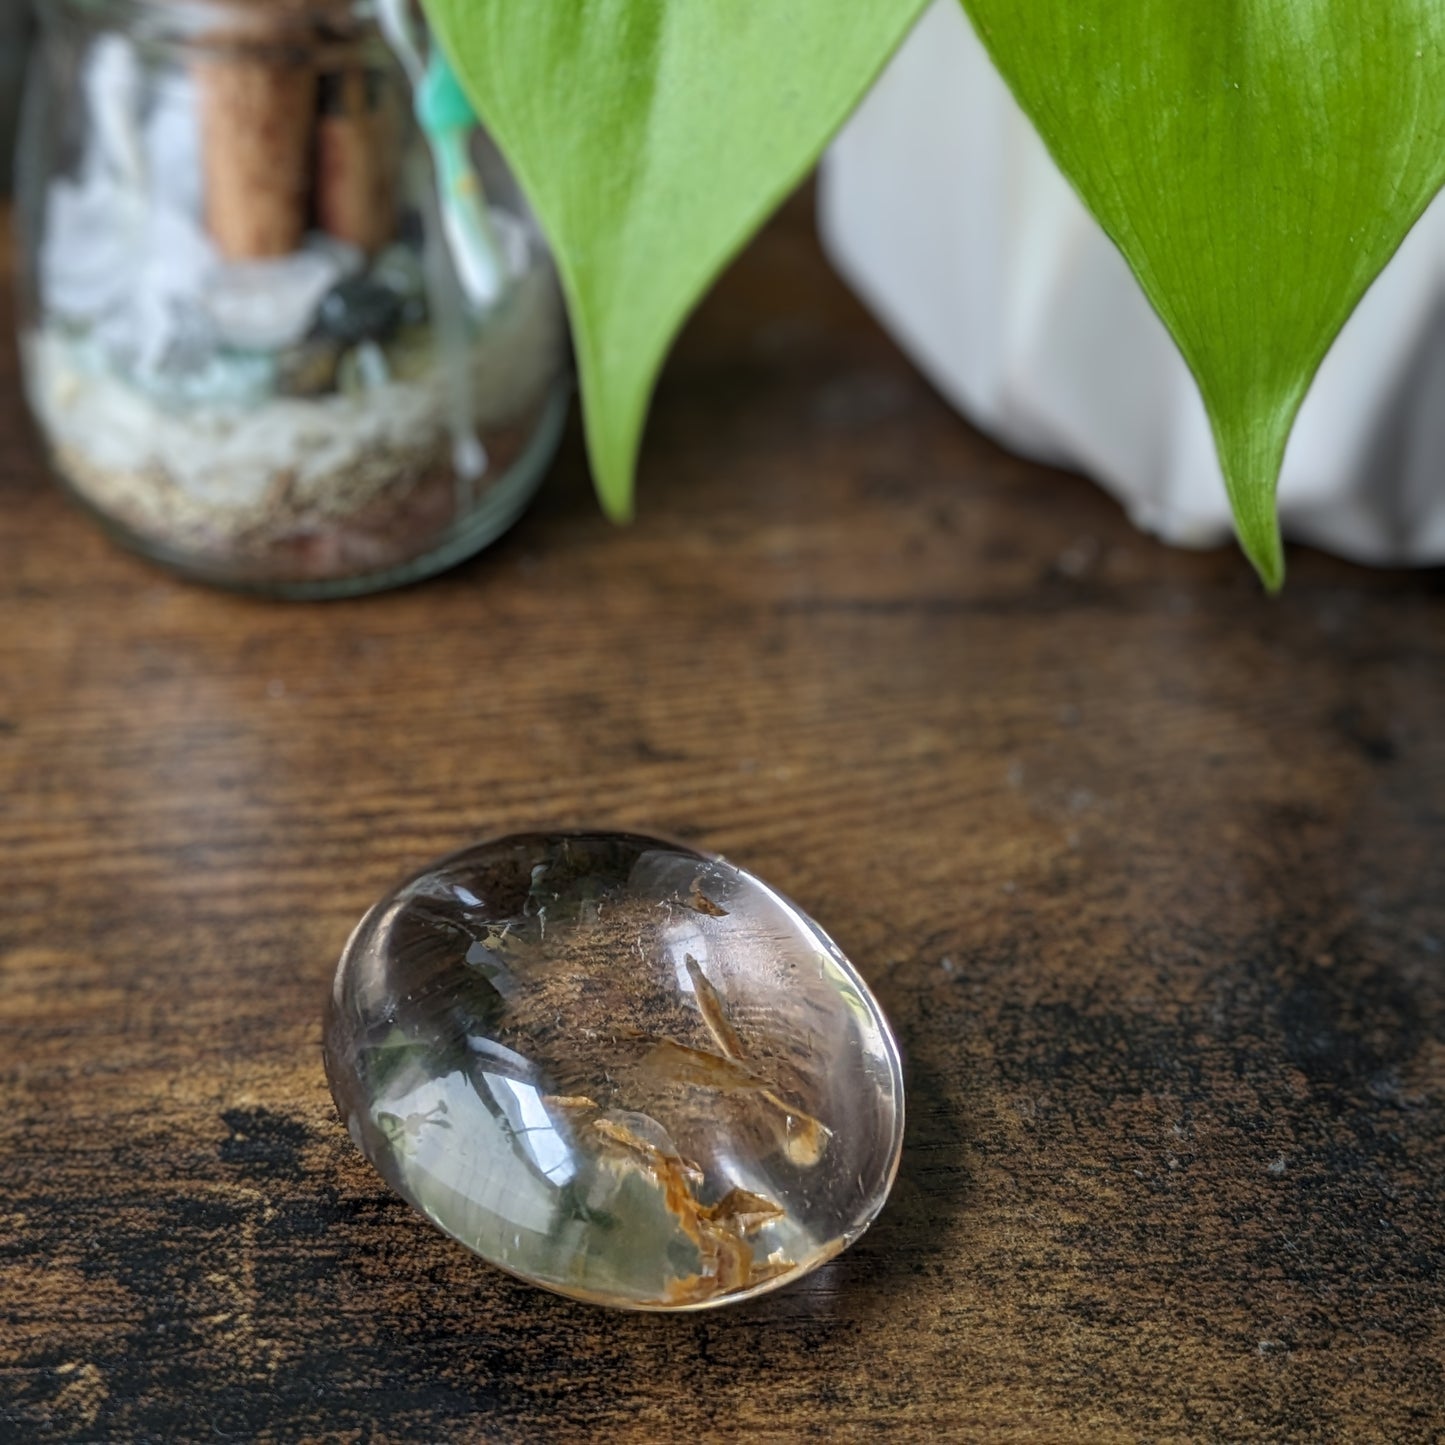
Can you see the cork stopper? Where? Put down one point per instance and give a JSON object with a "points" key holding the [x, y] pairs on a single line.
{"points": [[285, 145], [256, 118], [357, 150]]}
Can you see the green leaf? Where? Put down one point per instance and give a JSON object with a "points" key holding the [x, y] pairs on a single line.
{"points": [[653, 137], [1257, 162]]}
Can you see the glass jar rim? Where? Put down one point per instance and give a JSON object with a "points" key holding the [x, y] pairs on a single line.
{"points": [[248, 24]]}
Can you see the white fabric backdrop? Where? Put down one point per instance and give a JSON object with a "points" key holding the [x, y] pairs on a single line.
{"points": [[941, 207]]}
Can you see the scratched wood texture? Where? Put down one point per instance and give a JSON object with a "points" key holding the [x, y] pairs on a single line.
{"points": [[1148, 870]]}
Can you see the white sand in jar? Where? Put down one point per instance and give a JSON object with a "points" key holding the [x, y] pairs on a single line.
{"points": [[215, 472]]}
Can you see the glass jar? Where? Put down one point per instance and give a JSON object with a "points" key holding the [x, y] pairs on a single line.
{"points": [[287, 323]]}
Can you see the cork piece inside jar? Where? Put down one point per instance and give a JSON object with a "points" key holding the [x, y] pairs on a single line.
{"points": [[287, 141]]}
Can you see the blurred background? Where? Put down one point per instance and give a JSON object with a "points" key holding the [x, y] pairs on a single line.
{"points": [[15, 28]]}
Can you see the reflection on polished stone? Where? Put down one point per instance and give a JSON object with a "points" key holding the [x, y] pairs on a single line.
{"points": [[617, 1068]]}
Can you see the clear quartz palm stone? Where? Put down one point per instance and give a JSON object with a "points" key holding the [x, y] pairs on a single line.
{"points": [[617, 1068]]}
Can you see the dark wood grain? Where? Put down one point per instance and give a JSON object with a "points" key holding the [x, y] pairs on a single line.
{"points": [[1148, 870]]}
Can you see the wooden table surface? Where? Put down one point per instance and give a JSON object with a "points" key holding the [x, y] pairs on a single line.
{"points": [[1147, 869]]}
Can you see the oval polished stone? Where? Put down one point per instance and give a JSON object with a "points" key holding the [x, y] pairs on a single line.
{"points": [[617, 1068]]}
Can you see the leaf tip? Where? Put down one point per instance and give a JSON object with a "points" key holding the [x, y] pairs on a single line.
{"points": [[1251, 457], [614, 468], [614, 412], [1265, 550], [617, 503]]}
